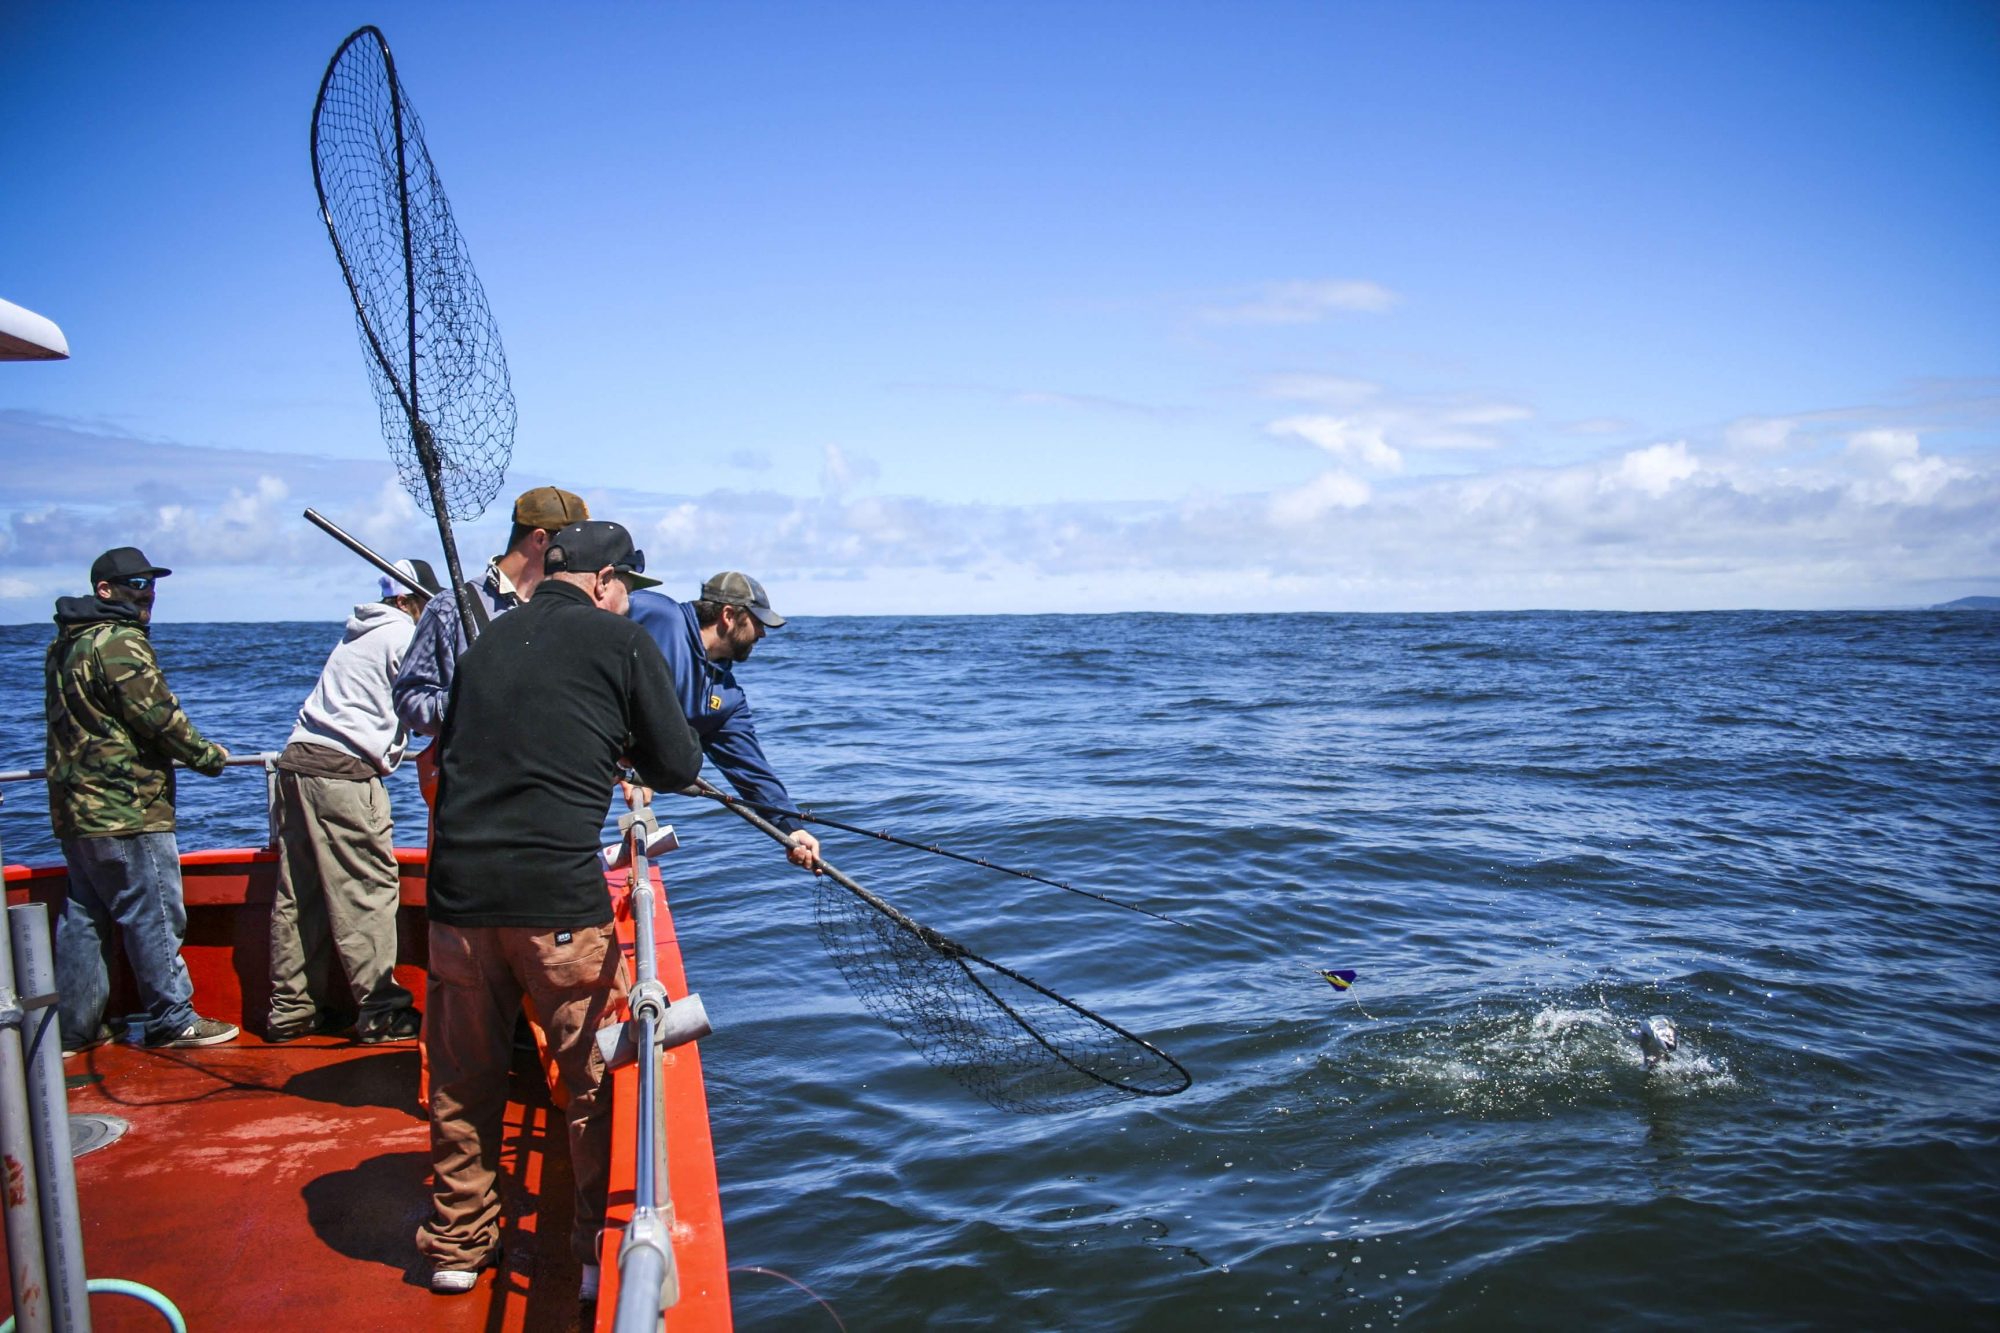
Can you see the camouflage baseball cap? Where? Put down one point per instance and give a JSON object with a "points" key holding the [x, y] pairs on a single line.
{"points": [[734, 589], [124, 562], [549, 508]]}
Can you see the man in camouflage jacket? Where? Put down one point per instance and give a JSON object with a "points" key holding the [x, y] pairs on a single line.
{"points": [[115, 730]]}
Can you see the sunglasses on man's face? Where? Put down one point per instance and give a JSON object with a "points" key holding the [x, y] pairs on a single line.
{"points": [[137, 583]]}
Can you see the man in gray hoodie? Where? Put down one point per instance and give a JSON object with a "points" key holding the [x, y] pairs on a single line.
{"points": [[338, 886]]}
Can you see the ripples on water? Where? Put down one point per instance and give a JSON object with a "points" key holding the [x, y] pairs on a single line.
{"points": [[1526, 832]]}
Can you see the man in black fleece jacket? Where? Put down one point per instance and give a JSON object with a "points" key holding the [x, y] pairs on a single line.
{"points": [[543, 708]]}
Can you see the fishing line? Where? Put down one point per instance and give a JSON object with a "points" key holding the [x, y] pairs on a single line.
{"points": [[1003, 1036], [831, 1313], [431, 347], [810, 818]]}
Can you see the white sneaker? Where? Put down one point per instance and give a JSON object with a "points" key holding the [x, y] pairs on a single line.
{"points": [[587, 1289], [454, 1281]]}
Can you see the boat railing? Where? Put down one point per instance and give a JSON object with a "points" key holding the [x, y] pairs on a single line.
{"points": [[647, 1281], [43, 1227], [267, 760]]}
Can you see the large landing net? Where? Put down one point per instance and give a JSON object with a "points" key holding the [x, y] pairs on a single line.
{"points": [[1006, 1038], [432, 348]]}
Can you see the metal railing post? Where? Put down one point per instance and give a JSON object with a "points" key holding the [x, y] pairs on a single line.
{"points": [[26, 1266], [647, 1282], [48, 1120]]}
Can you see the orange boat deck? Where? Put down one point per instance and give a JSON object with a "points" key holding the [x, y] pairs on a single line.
{"points": [[264, 1186]]}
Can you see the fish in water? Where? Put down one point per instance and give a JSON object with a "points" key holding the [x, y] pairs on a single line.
{"points": [[1657, 1039]]}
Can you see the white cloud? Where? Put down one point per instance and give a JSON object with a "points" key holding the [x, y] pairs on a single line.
{"points": [[1343, 437], [1897, 470], [679, 529], [1305, 302], [1376, 427], [1759, 435], [1887, 447], [841, 471], [1881, 520], [252, 506], [1656, 468], [1314, 500], [390, 516]]}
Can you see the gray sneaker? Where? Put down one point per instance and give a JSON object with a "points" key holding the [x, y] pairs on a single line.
{"points": [[201, 1032]]}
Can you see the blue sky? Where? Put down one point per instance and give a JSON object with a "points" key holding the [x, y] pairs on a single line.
{"points": [[1024, 307]]}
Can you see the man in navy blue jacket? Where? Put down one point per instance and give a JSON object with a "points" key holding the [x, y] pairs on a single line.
{"points": [[703, 641]]}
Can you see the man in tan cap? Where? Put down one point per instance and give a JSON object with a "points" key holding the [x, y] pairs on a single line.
{"points": [[423, 687]]}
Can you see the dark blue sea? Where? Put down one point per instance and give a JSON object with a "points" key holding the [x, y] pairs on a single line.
{"points": [[1523, 832]]}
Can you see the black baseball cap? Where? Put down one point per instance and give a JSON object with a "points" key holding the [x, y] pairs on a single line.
{"points": [[585, 548], [124, 562], [734, 589]]}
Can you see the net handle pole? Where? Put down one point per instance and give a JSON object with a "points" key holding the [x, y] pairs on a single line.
{"points": [[701, 787], [959, 953], [420, 432]]}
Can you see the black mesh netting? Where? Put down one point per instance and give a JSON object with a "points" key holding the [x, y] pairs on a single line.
{"points": [[433, 351], [1010, 1040]]}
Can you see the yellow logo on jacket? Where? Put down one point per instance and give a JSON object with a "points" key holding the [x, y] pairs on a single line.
{"points": [[715, 701]]}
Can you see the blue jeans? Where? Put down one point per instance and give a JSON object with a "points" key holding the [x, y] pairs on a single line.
{"points": [[133, 884]]}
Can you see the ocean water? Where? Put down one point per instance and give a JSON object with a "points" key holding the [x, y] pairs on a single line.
{"points": [[1525, 833]]}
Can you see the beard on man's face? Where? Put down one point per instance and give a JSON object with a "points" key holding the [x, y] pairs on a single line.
{"points": [[142, 602]]}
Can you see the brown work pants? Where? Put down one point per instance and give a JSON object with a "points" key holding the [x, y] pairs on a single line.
{"points": [[478, 976]]}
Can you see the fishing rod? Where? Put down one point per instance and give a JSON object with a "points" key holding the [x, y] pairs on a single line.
{"points": [[354, 544], [734, 801]]}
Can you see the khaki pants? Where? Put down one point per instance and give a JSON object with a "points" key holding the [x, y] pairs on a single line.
{"points": [[337, 894], [478, 976]]}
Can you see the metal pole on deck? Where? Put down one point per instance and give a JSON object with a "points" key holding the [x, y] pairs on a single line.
{"points": [[48, 1120], [647, 1283], [26, 1267]]}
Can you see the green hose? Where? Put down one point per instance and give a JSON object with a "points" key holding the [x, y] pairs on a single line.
{"points": [[118, 1286]]}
